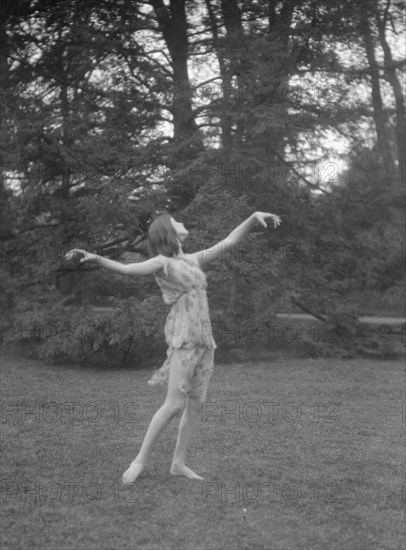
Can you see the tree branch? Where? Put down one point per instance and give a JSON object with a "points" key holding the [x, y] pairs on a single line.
{"points": [[309, 183], [307, 310]]}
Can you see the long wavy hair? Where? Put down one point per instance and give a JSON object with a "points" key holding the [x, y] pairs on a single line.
{"points": [[162, 237]]}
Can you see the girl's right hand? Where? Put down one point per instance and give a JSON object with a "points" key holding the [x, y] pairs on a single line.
{"points": [[76, 254]]}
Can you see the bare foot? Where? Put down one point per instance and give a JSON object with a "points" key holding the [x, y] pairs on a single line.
{"points": [[184, 471], [131, 474]]}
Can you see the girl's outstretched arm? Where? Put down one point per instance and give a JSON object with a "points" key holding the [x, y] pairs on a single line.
{"points": [[216, 251], [149, 267]]}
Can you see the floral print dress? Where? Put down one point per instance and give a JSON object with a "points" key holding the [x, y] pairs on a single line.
{"points": [[188, 330]]}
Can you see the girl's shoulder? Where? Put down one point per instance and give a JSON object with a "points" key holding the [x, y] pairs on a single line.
{"points": [[165, 264], [167, 260]]}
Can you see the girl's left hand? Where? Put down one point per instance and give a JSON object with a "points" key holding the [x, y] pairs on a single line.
{"points": [[261, 217]]}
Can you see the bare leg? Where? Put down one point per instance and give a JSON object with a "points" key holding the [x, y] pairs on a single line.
{"points": [[187, 427], [174, 403], [158, 423]]}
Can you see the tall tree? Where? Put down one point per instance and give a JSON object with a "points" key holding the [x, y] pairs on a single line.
{"points": [[377, 102], [393, 79]]}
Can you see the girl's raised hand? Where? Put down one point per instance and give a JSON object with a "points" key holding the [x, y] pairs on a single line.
{"points": [[80, 256], [262, 216]]}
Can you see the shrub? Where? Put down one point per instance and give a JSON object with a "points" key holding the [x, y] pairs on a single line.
{"points": [[77, 334], [7, 296]]}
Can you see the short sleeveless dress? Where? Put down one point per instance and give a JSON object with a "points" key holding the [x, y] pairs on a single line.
{"points": [[188, 330]]}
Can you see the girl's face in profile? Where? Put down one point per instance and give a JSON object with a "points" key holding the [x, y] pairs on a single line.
{"points": [[180, 229]]}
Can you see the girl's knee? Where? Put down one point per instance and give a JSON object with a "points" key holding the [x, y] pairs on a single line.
{"points": [[174, 406]]}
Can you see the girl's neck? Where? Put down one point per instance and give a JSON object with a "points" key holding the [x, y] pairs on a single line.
{"points": [[180, 251]]}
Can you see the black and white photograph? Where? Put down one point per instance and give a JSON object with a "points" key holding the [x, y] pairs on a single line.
{"points": [[202, 298]]}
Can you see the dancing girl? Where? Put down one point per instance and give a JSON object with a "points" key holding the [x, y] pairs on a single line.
{"points": [[189, 363]]}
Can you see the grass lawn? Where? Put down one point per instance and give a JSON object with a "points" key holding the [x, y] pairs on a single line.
{"points": [[296, 454]]}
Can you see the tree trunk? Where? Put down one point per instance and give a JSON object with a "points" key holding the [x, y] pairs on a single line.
{"points": [[393, 79], [234, 52], [225, 118], [6, 218], [279, 29], [173, 24], [187, 137], [377, 103], [66, 140]]}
